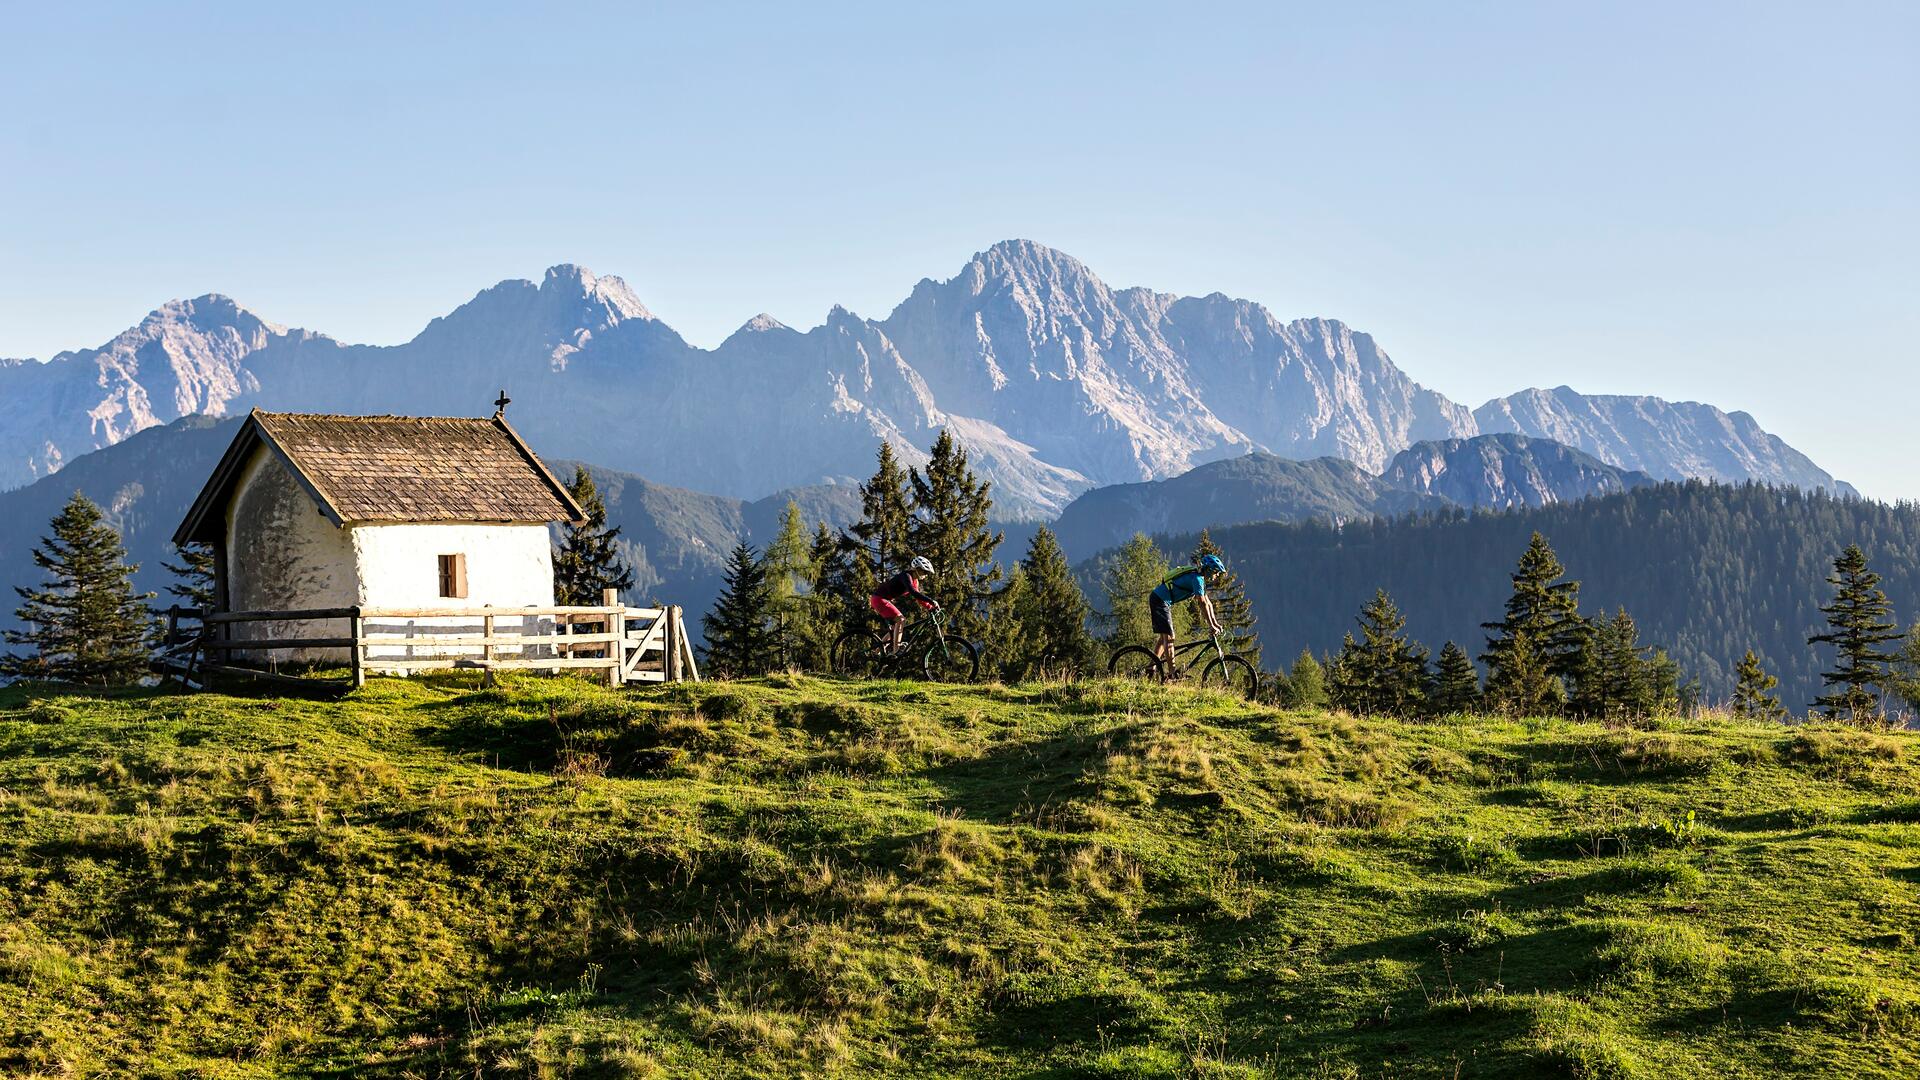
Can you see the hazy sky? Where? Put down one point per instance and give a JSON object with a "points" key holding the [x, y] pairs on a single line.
{"points": [[1716, 202]]}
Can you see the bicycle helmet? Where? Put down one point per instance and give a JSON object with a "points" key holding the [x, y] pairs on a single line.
{"points": [[1212, 564], [921, 564]]}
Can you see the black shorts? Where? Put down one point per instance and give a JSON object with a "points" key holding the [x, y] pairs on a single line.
{"points": [[1162, 615]]}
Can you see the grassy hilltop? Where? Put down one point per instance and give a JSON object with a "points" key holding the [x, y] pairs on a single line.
{"points": [[795, 876]]}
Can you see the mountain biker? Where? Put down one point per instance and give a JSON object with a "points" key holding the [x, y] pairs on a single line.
{"points": [[900, 585], [1181, 583]]}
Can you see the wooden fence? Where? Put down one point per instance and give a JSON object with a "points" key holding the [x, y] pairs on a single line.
{"points": [[627, 644]]}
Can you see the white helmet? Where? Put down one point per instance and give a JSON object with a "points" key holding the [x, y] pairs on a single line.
{"points": [[921, 564]]}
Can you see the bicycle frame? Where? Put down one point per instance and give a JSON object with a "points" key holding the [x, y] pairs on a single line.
{"points": [[1179, 647]]}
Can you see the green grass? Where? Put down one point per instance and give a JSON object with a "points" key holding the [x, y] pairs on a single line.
{"points": [[796, 876]]}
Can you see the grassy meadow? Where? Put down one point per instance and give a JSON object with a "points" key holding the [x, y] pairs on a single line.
{"points": [[794, 876]]}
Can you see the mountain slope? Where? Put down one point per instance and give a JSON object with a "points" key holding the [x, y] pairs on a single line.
{"points": [[1056, 382], [1499, 472], [1668, 440]]}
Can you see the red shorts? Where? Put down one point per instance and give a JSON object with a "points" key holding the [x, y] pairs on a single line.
{"points": [[883, 608]]}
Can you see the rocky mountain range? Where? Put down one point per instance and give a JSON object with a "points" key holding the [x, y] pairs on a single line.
{"points": [[1488, 472], [1056, 382]]}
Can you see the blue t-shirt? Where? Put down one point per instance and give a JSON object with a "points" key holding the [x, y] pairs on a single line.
{"points": [[1175, 589]]}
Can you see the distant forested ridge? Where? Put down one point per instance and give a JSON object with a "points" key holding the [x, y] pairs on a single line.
{"points": [[1708, 570]]}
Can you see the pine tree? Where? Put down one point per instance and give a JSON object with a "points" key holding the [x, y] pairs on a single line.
{"points": [[1456, 686], [1306, 683], [1052, 611], [790, 574], [1859, 620], [588, 561], [739, 629], [1382, 674], [1753, 696], [1230, 603], [195, 571], [1136, 571], [1544, 610], [949, 527], [85, 624]]}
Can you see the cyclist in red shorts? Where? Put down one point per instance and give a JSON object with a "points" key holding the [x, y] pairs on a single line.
{"points": [[902, 584]]}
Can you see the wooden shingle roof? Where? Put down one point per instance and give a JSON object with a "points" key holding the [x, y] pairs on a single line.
{"points": [[370, 469]]}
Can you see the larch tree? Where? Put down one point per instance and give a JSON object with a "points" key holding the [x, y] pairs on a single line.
{"points": [[1137, 570], [1456, 684], [1230, 603], [1753, 696], [1859, 622], [739, 630], [587, 561], [790, 578], [949, 526], [84, 624]]}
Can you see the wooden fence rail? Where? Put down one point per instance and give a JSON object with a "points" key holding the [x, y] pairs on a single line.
{"points": [[628, 644]]}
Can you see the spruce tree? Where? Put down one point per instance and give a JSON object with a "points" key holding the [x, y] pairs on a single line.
{"points": [[790, 574], [1005, 646], [833, 604], [1381, 674], [1456, 685], [1052, 611], [195, 571], [1546, 612], [1230, 603], [878, 545], [1753, 696], [1519, 685], [1306, 683], [1859, 621], [587, 562], [85, 624], [949, 527], [1136, 571], [739, 630]]}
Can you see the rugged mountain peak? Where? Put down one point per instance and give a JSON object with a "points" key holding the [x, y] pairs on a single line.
{"points": [[610, 294], [762, 323]]}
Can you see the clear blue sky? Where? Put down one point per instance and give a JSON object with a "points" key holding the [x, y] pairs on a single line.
{"points": [[1709, 201]]}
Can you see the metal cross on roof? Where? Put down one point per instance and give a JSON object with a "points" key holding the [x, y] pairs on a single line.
{"points": [[500, 406]]}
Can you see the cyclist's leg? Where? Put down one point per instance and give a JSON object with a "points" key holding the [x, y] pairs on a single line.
{"points": [[1162, 614], [895, 621]]}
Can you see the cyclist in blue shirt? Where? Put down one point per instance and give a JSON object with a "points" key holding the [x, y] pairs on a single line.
{"points": [[1181, 583]]}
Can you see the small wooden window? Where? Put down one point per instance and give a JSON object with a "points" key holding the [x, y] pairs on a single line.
{"points": [[453, 575]]}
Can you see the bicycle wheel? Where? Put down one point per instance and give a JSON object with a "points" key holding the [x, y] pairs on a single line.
{"points": [[951, 659], [1233, 673], [856, 655], [1136, 662]]}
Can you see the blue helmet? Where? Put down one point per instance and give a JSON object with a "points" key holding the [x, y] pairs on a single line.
{"points": [[1212, 564]]}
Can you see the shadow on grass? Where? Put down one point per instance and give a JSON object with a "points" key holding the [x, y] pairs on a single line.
{"points": [[996, 786]]}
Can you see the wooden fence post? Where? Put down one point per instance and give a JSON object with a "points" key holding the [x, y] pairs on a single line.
{"points": [[617, 626], [356, 631]]}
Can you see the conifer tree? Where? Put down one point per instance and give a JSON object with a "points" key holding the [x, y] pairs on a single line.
{"points": [[1052, 611], [1136, 571], [1753, 696], [1906, 677], [1306, 683], [85, 624], [587, 561], [878, 545], [1614, 678], [1859, 621], [831, 602], [1456, 685], [1519, 685], [1381, 674], [1230, 603], [949, 527], [1005, 646], [790, 573], [739, 629], [195, 571], [1545, 611]]}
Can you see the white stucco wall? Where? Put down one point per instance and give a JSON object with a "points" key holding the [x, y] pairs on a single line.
{"points": [[508, 566], [283, 553]]}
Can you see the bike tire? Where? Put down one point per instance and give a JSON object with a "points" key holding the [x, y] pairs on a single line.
{"points": [[1234, 673], [1136, 662], [951, 659], [855, 655]]}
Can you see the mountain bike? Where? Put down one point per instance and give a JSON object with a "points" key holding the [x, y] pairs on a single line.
{"points": [[926, 648], [1223, 670]]}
